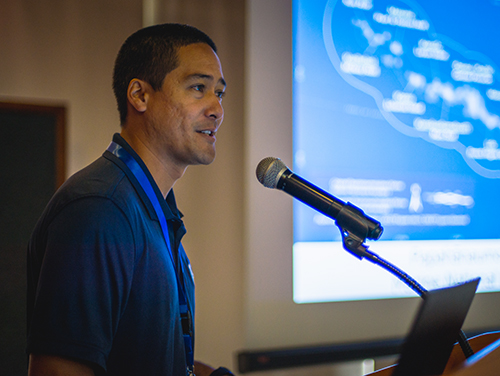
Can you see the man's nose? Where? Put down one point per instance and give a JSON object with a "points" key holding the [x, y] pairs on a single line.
{"points": [[215, 109]]}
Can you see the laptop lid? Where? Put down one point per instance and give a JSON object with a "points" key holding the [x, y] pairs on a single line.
{"points": [[435, 330]]}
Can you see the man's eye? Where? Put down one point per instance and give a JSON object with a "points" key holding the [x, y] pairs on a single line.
{"points": [[220, 94], [200, 88]]}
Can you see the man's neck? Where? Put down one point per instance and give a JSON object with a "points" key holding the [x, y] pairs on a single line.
{"points": [[164, 175]]}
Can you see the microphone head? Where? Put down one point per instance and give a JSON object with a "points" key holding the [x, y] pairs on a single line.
{"points": [[269, 171]]}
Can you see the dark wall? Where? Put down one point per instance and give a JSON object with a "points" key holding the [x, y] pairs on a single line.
{"points": [[31, 168]]}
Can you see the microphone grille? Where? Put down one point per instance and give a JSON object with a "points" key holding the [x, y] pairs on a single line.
{"points": [[269, 171]]}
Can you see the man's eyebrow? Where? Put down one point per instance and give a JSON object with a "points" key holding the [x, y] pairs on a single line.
{"points": [[205, 77]]}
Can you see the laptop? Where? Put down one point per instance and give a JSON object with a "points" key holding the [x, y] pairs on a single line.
{"points": [[435, 330]]}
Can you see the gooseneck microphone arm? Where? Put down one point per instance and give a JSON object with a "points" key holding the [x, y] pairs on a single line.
{"points": [[355, 226], [419, 289]]}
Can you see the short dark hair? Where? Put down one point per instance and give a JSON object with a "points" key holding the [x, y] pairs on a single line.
{"points": [[149, 55]]}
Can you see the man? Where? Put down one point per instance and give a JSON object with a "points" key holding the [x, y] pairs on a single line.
{"points": [[110, 289]]}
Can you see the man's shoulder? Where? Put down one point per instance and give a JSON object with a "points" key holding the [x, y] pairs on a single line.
{"points": [[101, 180]]}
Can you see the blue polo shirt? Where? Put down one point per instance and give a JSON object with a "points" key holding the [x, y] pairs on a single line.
{"points": [[101, 286]]}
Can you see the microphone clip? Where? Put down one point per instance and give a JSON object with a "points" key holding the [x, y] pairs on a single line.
{"points": [[353, 244], [355, 228]]}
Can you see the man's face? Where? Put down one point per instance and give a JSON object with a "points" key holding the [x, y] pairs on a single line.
{"points": [[186, 113]]}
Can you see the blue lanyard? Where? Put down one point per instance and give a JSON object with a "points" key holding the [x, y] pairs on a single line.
{"points": [[186, 319]]}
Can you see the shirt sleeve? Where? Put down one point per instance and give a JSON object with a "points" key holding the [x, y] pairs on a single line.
{"points": [[84, 281]]}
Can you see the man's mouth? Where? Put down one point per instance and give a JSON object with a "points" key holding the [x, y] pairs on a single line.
{"points": [[209, 133]]}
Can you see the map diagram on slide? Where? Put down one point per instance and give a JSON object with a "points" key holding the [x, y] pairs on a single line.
{"points": [[397, 110], [424, 83]]}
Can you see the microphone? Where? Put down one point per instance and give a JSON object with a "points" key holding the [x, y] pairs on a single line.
{"points": [[273, 173]]}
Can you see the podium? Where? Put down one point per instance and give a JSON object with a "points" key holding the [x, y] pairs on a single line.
{"points": [[485, 361]]}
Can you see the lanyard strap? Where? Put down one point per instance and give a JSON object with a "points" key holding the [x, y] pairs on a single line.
{"points": [[186, 319]]}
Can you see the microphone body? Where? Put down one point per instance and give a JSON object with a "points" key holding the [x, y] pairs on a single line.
{"points": [[309, 194], [273, 173]]}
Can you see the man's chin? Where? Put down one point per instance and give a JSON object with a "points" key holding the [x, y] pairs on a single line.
{"points": [[205, 159]]}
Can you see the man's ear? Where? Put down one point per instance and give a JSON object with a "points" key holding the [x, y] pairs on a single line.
{"points": [[137, 94]]}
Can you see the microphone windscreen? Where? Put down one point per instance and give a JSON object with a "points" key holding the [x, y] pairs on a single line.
{"points": [[269, 171]]}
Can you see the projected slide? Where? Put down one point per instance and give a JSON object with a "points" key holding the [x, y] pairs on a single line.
{"points": [[397, 110]]}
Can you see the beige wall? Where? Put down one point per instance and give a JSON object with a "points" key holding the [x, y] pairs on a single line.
{"points": [[62, 52]]}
